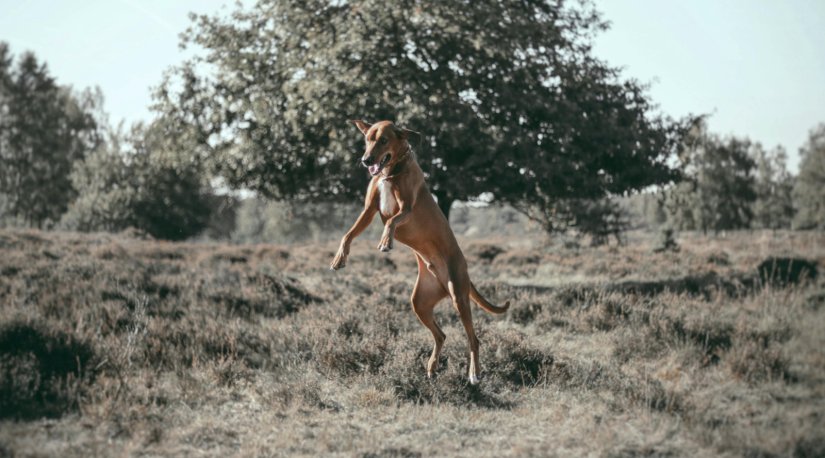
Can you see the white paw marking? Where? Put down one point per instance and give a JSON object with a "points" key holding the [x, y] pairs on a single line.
{"points": [[474, 380]]}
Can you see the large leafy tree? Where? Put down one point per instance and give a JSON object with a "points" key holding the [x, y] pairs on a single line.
{"points": [[809, 191], [506, 94], [44, 129]]}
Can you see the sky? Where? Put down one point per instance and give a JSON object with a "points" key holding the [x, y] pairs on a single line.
{"points": [[756, 66]]}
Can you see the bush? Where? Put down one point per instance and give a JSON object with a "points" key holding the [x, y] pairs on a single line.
{"points": [[141, 190], [42, 373], [784, 271]]}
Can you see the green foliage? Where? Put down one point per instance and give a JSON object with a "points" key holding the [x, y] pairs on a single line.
{"points": [[140, 187], [773, 208], [720, 192], [106, 199], [681, 202], [44, 129], [809, 191], [508, 97]]}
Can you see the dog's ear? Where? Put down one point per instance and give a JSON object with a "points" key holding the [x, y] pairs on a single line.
{"points": [[404, 133], [362, 126]]}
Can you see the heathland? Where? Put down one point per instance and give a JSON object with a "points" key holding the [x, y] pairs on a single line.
{"points": [[122, 345]]}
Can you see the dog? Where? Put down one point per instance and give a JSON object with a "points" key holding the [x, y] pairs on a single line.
{"points": [[398, 193]]}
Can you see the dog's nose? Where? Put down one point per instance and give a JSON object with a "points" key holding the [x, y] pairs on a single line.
{"points": [[367, 161]]}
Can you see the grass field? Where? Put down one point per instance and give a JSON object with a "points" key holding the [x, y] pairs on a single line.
{"points": [[111, 345]]}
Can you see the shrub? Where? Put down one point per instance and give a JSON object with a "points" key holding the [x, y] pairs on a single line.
{"points": [[140, 189], [42, 373], [784, 271]]}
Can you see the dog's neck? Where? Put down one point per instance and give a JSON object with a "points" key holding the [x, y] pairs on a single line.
{"points": [[400, 165]]}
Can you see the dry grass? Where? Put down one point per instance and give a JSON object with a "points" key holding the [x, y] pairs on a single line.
{"points": [[111, 345]]}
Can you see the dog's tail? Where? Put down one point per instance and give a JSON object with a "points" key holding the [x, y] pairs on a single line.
{"points": [[484, 303]]}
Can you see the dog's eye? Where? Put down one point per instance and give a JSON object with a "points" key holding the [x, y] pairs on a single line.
{"points": [[382, 140]]}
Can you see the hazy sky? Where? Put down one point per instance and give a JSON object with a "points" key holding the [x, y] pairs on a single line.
{"points": [[758, 66]]}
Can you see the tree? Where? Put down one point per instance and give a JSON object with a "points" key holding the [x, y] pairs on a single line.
{"points": [[773, 208], [726, 186], [507, 95], [682, 206], [45, 129], [5, 115], [809, 190], [131, 182], [103, 180], [719, 193]]}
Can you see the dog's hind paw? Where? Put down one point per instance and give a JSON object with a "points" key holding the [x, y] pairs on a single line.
{"points": [[474, 380]]}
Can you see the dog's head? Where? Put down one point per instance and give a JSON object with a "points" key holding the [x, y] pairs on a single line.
{"points": [[386, 144]]}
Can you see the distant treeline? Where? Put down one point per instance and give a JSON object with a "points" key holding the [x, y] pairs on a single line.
{"points": [[733, 183]]}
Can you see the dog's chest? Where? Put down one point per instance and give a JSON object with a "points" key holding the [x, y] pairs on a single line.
{"points": [[386, 200]]}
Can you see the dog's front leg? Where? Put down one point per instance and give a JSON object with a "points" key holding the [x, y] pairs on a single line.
{"points": [[404, 210], [364, 220]]}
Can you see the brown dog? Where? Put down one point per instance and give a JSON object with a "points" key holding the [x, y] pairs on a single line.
{"points": [[398, 193]]}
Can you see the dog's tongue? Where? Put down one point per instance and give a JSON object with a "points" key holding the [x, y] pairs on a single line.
{"points": [[374, 168]]}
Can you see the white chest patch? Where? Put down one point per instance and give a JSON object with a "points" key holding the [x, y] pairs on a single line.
{"points": [[386, 202]]}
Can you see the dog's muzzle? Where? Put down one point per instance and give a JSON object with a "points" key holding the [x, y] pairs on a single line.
{"points": [[374, 168]]}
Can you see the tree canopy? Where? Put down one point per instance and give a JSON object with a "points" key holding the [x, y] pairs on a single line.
{"points": [[509, 99]]}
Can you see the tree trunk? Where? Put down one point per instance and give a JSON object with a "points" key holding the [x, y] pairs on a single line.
{"points": [[444, 203]]}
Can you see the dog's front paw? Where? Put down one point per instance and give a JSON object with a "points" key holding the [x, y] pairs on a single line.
{"points": [[385, 244], [339, 262]]}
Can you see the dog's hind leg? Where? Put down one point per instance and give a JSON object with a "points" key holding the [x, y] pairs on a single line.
{"points": [[426, 294], [459, 288]]}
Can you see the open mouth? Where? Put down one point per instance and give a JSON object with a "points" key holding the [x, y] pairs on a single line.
{"points": [[375, 169]]}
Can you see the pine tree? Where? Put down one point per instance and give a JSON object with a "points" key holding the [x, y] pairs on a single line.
{"points": [[46, 128], [5, 115]]}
